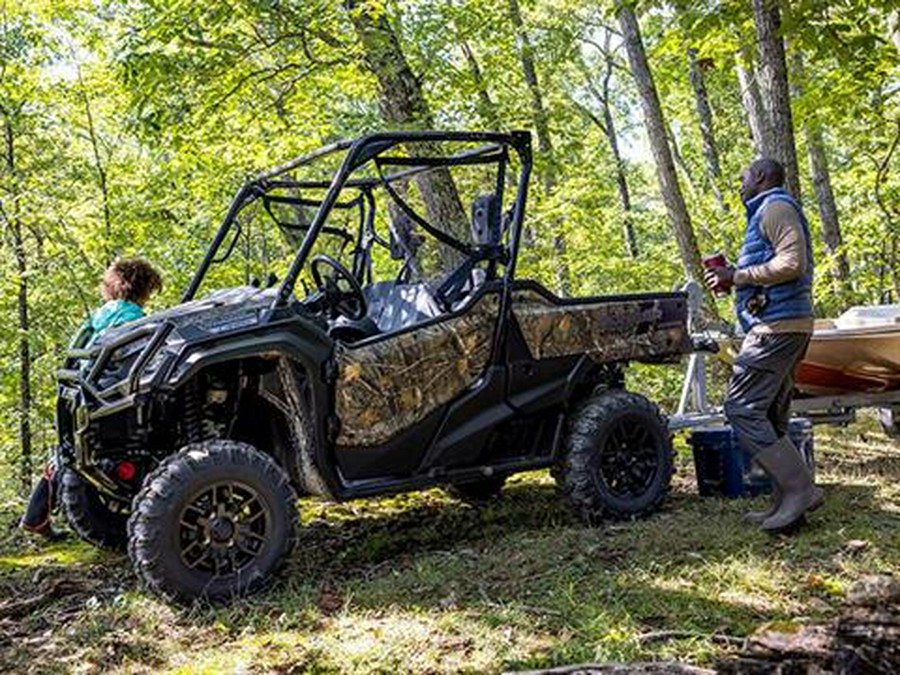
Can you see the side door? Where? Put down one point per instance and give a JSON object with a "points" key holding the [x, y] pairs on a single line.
{"points": [[394, 391]]}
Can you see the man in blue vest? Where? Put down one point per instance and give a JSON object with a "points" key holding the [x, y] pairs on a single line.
{"points": [[773, 288]]}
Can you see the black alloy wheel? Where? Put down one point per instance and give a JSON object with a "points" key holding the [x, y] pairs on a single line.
{"points": [[618, 459], [628, 456]]}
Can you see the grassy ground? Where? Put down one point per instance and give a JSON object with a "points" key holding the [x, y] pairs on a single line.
{"points": [[422, 583]]}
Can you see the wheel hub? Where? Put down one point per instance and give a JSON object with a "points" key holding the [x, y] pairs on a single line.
{"points": [[223, 528], [628, 459]]}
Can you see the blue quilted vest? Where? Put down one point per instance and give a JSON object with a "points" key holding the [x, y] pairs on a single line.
{"points": [[789, 300]]}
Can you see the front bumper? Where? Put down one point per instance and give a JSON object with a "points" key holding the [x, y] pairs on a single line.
{"points": [[100, 410]]}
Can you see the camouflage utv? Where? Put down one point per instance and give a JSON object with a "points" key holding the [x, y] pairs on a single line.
{"points": [[413, 357]]}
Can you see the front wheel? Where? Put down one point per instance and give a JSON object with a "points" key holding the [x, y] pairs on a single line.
{"points": [[216, 520], [618, 457]]}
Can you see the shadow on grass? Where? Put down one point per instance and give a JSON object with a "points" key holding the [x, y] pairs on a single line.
{"points": [[524, 561]]}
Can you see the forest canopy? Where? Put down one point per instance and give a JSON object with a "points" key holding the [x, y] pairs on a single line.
{"points": [[128, 127]]}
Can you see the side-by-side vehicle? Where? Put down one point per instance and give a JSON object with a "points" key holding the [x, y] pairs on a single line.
{"points": [[350, 351]]}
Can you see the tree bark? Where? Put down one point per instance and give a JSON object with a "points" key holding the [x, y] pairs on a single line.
{"points": [[776, 92], [542, 130], [707, 132], [656, 129], [608, 126], [757, 117], [23, 324], [403, 104], [818, 166]]}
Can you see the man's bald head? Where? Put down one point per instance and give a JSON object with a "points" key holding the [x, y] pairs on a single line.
{"points": [[762, 174]]}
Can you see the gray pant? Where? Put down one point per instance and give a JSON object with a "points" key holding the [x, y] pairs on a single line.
{"points": [[758, 405]]}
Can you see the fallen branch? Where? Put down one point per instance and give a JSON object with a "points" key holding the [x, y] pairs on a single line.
{"points": [[17, 608], [664, 635]]}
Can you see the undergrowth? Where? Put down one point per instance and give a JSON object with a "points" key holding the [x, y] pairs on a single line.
{"points": [[421, 583]]}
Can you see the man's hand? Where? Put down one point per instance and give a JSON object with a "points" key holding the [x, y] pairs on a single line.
{"points": [[719, 279]]}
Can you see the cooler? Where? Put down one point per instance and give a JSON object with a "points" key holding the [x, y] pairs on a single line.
{"points": [[724, 469]]}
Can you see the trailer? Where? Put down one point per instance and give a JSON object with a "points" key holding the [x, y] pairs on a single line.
{"points": [[695, 411]]}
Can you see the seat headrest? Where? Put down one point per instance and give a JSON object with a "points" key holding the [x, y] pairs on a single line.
{"points": [[487, 223]]}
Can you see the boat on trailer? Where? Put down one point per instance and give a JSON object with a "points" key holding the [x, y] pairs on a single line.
{"points": [[857, 352], [853, 363]]}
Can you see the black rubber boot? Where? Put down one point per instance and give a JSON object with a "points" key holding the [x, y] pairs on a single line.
{"points": [[37, 518], [782, 461], [757, 517]]}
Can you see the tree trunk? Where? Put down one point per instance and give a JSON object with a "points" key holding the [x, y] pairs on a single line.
{"points": [[818, 166], [100, 169], [13, 218], [403, 104], [679, 160], [894, 27], [707, 133], [776, 93], [656, 129], [542, 130], [608, 127], [487, 109], [757, 117]]}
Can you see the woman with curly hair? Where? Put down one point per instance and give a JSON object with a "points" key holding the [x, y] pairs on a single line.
{"points": [[126, 287]]}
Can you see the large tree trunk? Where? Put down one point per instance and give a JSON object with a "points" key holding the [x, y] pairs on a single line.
{"points": [[656, 130], [542, 129], [776, 92], [757, 117], [403, 105], [12, 213], [818, 166], [707, 132]]}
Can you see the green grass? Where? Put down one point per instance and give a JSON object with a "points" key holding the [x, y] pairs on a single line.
{"points": [[421, 583]]}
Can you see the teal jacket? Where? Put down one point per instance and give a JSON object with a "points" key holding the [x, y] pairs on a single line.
{"points": [[113, 313]]}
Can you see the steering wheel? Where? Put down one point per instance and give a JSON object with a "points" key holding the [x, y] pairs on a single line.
{"points": [[348, 302]]}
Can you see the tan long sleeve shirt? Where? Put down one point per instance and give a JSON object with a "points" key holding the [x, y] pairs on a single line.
{"points": [[781, 226]]}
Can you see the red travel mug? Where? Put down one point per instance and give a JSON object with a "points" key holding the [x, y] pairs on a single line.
{"points": [[721, 287]]}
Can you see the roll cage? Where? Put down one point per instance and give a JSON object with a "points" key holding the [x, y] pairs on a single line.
{"points": [[373, 150]]}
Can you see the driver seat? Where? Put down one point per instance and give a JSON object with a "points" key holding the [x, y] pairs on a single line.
{"points": [[392, 307]]}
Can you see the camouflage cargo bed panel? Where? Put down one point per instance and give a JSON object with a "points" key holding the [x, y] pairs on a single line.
{"points": [[640, 328]]}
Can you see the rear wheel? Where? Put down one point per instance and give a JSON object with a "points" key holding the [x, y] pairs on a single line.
{"points": [[618, 457], [477, 491], [93, 518], [216, 521]]}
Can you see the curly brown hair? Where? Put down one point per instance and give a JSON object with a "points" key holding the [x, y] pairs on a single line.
{"points": [[132, 279]]}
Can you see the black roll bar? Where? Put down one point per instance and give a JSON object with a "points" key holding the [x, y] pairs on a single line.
{"points": [[360, 152]]}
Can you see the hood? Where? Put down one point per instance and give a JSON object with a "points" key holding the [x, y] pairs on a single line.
{"points": [[219, 312]]}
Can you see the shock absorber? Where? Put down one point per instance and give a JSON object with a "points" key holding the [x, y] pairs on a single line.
{"points": [[193, 413]]}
